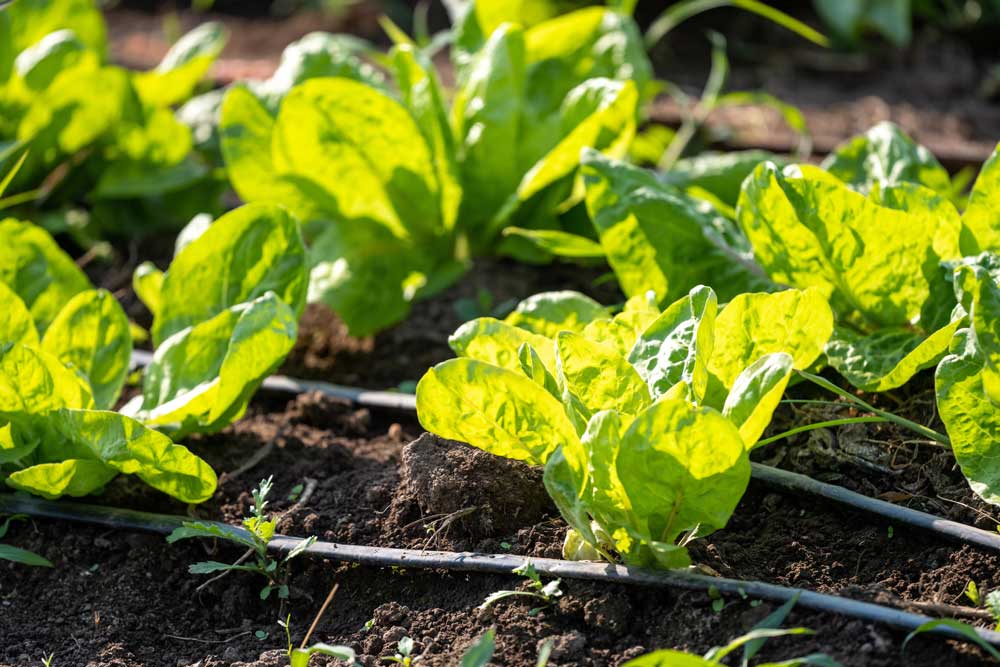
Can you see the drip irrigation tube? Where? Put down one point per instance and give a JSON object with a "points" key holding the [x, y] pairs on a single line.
{"points": [[773, 477], [123, 519]]}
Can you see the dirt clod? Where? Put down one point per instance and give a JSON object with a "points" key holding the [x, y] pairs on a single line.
{"points": [[443, 478]]}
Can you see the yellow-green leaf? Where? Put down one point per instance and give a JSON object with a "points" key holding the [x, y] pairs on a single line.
{"points": [[497, 410]]}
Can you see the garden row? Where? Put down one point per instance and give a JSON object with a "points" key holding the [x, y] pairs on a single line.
{"points": [[369, 192]]}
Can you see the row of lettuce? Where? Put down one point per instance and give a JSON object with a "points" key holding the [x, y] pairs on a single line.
{"points": [[369, 193]]}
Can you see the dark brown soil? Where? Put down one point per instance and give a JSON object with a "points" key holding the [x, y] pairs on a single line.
{"points": [[118, 598]]}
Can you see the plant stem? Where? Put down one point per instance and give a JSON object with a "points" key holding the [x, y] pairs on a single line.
{"points": [[920, 429], [824, 424]]}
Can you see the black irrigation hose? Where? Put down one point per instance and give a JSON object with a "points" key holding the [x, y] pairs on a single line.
{"points": [[775, 477], [123, 519], [790, 481]]}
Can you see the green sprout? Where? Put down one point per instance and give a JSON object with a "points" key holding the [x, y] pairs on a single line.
{"points": [[404, 653], [256, 536], [547, 593]]}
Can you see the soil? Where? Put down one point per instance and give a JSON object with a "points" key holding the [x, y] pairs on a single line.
{"points": [[118, 598]]}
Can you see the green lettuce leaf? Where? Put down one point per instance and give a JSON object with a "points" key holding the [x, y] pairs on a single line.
{"points": [[682, 467], [328, 129], [750, 326], [676, 347], [558, 243], [885, 155], [94, 445], [147, 282], [91, 335], [366, 274], [600, 377], [486, 115], [497, 410], [32, 381], [548, 313], [981, 219], [39, 64], [720, 174], [246, 129], [71, 477], [319, 55], [183, 67], [969, 415], [658, 238], [422, 94], [621, 331], [33, 385], [202, 378], [17, 325], [246, 253], [756, 393], [809, 230], [38, 270], [31, 21], [499, 343], [68, 117], [888, 358]]}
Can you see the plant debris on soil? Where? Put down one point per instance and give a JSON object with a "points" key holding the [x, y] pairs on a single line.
{"points": [[120, 598]]}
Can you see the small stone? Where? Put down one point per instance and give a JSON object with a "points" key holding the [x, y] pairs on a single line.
{"points": [[569, 646], [392, 636], [390, 614]]}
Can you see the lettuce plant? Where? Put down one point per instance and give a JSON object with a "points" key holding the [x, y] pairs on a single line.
{"points": [[643, 420], [225, 315], [396, 192], [121, 151], [64, 355], [876, 232]]}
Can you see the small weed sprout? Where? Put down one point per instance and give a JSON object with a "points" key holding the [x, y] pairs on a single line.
{"points": [[47, 660], [547, 593], [404, 653], [257, 534]]}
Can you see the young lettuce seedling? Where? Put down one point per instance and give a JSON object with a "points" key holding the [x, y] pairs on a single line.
{"points": [[547, 593], [257, 534], [643, 421]]}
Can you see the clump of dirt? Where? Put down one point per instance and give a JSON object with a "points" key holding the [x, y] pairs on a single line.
{"points": [[467, 491]]}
